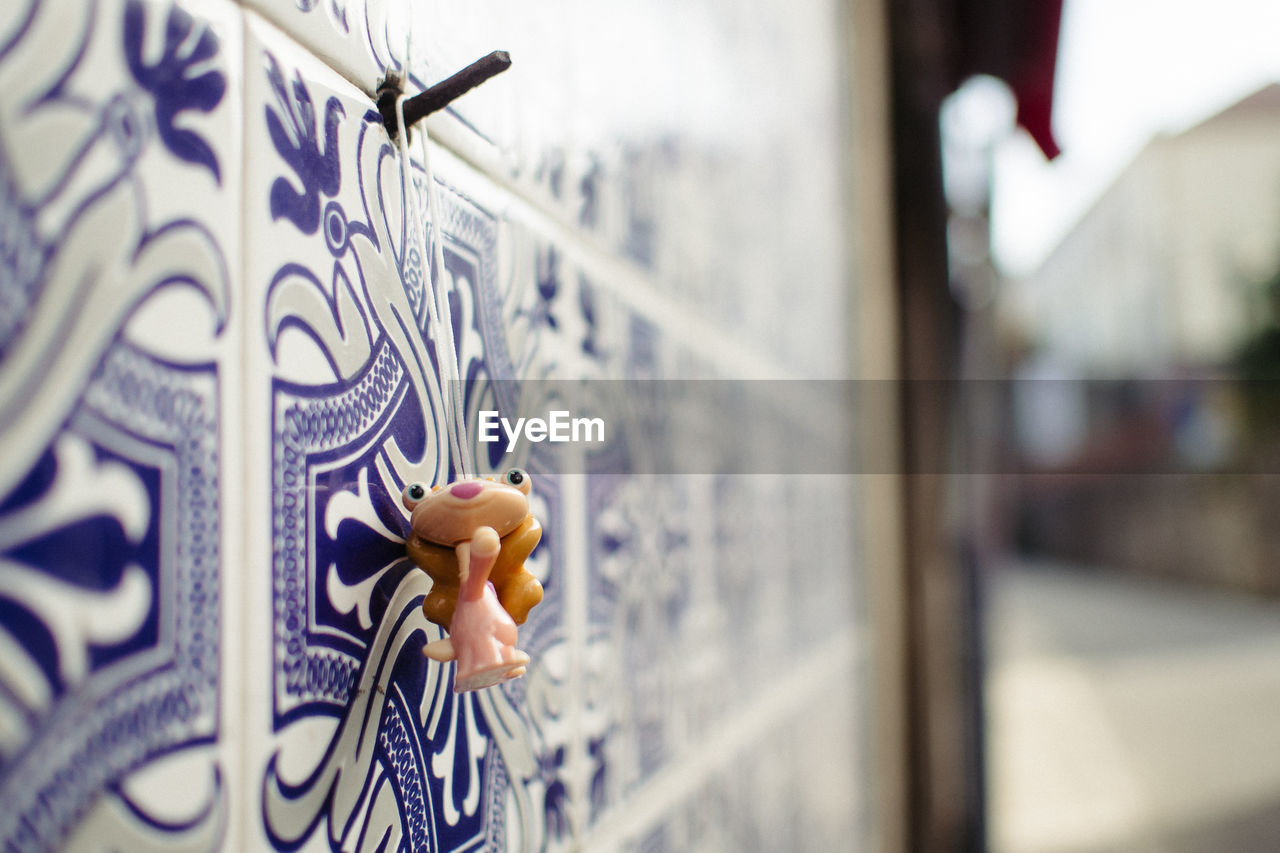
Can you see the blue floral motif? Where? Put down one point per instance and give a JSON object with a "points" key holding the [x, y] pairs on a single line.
{"points": [[409, 766], [109, 513], [589, 191], [295, 135], [176, 80], [556, 804], [587, 302], [89, 578], [548, 285], [336, 8]]}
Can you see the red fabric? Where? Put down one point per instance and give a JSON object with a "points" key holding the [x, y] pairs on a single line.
{"points": [[1033, 71], [1017, 41]]}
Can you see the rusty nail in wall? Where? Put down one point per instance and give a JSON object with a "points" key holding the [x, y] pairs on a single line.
{"points": [[440, 95]]}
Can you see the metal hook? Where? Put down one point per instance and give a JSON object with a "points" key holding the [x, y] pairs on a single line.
{"points": [[441, 94]]}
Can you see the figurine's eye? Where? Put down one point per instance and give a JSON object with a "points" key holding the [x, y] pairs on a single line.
{"points": [[415, 491], [514, 477]]}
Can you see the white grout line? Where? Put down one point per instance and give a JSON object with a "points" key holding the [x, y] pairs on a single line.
{"points": [[235, 643], [680, 781]]}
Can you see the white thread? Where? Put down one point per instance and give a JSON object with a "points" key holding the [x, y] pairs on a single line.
{"points": [[446, 312], [440, 314]]}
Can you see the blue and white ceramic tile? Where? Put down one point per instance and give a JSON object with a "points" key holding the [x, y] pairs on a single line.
{"points": [[704, 596], [357, 38], [793, 789], [560, 322], [115, 296], [357, 414], [696, 142], [642, 616]]}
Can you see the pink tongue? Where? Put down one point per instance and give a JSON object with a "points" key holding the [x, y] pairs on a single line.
{"points": [[465, 491]]}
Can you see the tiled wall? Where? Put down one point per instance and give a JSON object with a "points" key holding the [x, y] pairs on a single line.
{"points": [[216, 377]]}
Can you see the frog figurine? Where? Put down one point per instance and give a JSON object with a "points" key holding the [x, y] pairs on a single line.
{"points": [[472, 537]]}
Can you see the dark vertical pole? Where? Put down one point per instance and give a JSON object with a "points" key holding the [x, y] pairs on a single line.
{"points": [[945, 785]]}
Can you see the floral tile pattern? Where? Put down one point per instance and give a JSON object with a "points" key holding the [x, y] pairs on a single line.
{"points": [[356, 415], [698, 608], [356, 38], [110, 507], [785, 794], [699, 143], [219, 367]]}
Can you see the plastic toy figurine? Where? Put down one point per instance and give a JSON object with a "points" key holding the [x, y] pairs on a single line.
{"points": [[472, 537]]}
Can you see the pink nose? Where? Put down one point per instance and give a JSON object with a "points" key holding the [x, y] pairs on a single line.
{"points": [[466, 490]]}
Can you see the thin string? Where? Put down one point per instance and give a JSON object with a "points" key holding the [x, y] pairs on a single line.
{"points": [[445, 310], [439, 313]]}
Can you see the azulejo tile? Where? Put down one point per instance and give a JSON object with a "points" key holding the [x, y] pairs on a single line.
{"points": [[354, 37], [567, 325], [640, 560], [366, 737], [793, 788], [115, 337], [651, 154], [708, 595]]}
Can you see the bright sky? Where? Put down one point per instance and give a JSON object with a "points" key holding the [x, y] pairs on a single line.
{"points": [[1127, 69]]}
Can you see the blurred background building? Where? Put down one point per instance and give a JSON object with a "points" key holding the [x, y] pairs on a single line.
{"points": [[1127, 313], [1138, 347], [1166, 270]]}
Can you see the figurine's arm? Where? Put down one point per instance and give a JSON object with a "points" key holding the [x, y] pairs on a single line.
{"points": [[440, 650], [476, 557]]}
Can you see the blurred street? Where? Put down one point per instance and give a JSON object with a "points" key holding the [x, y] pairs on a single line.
{"points": [[1130, 714]]}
